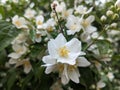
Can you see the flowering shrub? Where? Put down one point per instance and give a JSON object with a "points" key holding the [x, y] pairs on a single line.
{"points": [[59, 45]]}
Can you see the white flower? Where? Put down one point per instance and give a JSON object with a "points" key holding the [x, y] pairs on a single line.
{"points": [[88, 29], [24, 62], [19, 50], [110, 75], [49, 25], [19, 22], [58, 7], [64, 58], [63, 51], [66, 13], [73, 25], [29, 13], [82, 10], [39, 21], [117, 3], [100, 84]]}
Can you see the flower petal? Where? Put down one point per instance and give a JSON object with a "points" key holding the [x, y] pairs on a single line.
{"points": [[74, 45], [82, 62], [74, 76], [49, 69], [49, 60]]}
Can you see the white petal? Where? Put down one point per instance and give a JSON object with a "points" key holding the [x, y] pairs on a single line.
{"points": [[13, 61], [14, 55], [49, 69], [60, 40], [90, 19], [64, 76], [27, 68], [101, 84], [74, 45], [90, 29], [49, 60], [89, 10], [74, 76], [71, 32], [52, 48], [82, 62]]}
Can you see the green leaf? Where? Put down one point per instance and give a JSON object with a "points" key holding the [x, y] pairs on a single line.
{"points": [[3, 57], [2, 12], [32, 35], [7, 33], [11, 79]]}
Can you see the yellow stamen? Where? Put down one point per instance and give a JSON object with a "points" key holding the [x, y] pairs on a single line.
{"points": [[63, 51]]}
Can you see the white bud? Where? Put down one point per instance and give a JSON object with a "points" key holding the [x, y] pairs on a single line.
{"points": [[103, 18], [114, 25], [109, 13], [117, 3]]}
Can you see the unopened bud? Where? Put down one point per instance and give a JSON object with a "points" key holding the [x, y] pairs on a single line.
{"points": [[103, 18], [113, 25], [115, 16], [109, 13]]}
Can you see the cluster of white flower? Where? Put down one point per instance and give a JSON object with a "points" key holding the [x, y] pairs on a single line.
{"points": [[64, 55]]}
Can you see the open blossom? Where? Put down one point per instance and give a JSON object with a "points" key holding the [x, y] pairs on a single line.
{"points": [[19, 22], [58, 6], [39, 21], [29, 13], [25, 62], [88, 29], [19, 50], [82, 10], [73, 25], [64, 58]]}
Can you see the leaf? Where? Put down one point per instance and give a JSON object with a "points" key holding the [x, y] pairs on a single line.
{"points": [[11, 79], [37, 51], [32, 35], [7, 33], [2, 12], [3, 57]]}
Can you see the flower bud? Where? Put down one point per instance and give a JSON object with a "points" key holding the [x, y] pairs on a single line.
{"points": [[115, 16], [103, 18], [109, 13], [113, 25]]}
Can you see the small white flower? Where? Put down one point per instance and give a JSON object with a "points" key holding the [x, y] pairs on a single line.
{"points": [[64, 58], [24, 62], [100, 84], [39, 21], [19, 50], [49, 25], [19, 22], [88, 29], [73, 25], [110, 75], [82, 10], [59, 7], [29, 13]]}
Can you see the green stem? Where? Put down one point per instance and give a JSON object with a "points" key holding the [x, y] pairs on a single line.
{"points": [[60, 27]]}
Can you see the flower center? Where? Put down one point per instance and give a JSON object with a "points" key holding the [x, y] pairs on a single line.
{"points": [[18, 23], [39, 23], [85, 23], [73, 27], [63, 51]]}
